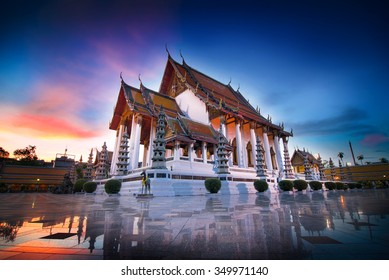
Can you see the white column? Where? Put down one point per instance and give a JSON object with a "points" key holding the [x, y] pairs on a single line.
{"points": [[177, 150], [204, 152], [278, 154], [116, 149], [253, 140], [131, 144], [138, 131], [151, 144], [224, 131], [267, 151], [239, 152], [191, 152]]}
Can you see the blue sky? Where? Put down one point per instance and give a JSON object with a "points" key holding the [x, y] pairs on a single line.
{"points": [[321, 67]]}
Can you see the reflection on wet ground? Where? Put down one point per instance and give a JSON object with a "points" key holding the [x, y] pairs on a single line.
{"points": [[318, 225]]}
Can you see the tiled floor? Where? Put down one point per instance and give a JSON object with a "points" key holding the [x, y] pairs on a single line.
{"points": [[331, 225]]}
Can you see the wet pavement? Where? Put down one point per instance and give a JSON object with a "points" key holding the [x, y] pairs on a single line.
{"points": [[331, 225]]}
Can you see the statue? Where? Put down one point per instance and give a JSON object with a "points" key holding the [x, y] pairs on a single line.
{"points": [[146, 185]]}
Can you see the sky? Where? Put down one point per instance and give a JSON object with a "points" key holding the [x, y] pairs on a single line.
{"points": [[321, 67]]}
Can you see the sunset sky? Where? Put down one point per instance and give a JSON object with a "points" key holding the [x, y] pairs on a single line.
{"points": [[321, 67]]}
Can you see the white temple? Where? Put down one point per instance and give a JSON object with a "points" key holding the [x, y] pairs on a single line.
{"points": [[202, 119]]}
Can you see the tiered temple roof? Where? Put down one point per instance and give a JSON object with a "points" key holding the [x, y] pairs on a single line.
{"points": [[220, 99]]}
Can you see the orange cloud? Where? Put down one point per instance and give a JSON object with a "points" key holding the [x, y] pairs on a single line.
{"points": [[52, 127]]}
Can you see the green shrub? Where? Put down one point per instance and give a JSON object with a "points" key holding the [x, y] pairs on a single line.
{"points": [[315, 185], [352, 185], [212, 185], [358, 185], [3, 188], [112, 186], [379, 185], [285, 185], [340, 186], [330, 185], [368, 185], [300, 185], [261, 185], [90, 187], [78, 185]]}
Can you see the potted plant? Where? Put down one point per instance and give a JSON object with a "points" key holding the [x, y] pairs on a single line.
{"points": [[78, 185], [330, 185], [315, 185], [90, 187], [300, 185], [112, 186], [286, 185], [212, 185], [261, 185]]}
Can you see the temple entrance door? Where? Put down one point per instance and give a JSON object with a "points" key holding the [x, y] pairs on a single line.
{"points": [[234, 153], [250, 161], [273, 158]]}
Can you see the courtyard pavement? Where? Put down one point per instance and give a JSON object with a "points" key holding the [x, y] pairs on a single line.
{"points": [[318, 225]]}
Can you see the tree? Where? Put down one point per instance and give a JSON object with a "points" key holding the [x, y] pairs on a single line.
{"points": [[340, 156], [26, 154], [360, 157], [384, 160], [3, 153]]}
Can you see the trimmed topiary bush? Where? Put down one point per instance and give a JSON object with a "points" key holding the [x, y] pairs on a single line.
{"points": [[78, 185], [330, 185], [285, 185], [300, 185], [315, 185], [261, 185], [340, 186], [90, 187], [3, 188], [112, 186], [213, 185], [368, 185]]}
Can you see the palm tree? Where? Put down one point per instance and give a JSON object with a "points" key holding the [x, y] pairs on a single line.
{"points": [[360, 157], [341, 155]]}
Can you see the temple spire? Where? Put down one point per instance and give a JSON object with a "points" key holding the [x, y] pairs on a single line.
{"points": [[332, 168], [222, 154], [159, 159], [102, 166], [321, 169], [260, 165], [307, 168], [89, 166], [288, 165], [122, 164]]}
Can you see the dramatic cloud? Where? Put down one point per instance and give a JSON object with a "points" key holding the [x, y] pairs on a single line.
{"points": [[52, 127], [351, 120], [375, 139]]}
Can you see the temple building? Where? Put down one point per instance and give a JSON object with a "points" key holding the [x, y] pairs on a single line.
{"points": [[203, 119]]}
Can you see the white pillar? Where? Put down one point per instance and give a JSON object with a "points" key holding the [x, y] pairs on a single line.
{"points": [[138, 131], [177, 150], [191, 152], [151, 142], [131, 144], [267, 151], [278, 154], [253, 140], [224, 132], [239, 152], [204, 152]]}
